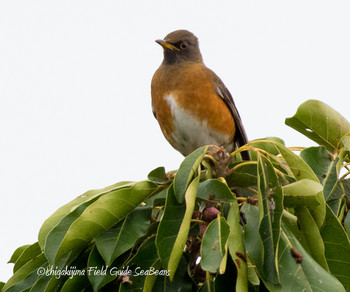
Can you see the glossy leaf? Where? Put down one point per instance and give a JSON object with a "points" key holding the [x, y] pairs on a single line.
{"points": [[264, 144], [346, 185], [26, 276], [31, 252], [47, 283], [301, 170], [70, 239], [267, 180], [180, 242], [158, 176], [84, 200], [186, 172], [141, 262], [319, 159], [169, 226], [312, 235], [97, 271], [307, 276], [17, 253], [213, 244], [243, 175], [276, 217], [120, 238], [236, 247], [320, 123], [302, 193], [334, 199], [251, 238], [151, 279], [347, 224], [214, 190], [325, 165], [337, 248], [56, 235], [332, 189], [78, 283]]}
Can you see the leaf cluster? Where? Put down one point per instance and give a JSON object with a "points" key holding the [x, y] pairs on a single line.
{"points": [[278, 222]]}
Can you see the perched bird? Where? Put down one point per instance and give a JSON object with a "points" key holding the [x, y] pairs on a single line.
{"points": [[190, 102]]}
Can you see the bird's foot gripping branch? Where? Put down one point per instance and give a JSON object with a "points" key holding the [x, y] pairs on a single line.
{"points": [[279, 221]]}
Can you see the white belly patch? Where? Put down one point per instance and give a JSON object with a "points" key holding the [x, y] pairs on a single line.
{"points": [[190, 133]]}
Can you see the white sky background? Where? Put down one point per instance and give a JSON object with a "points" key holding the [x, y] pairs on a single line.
{"points": [[75, 104]]}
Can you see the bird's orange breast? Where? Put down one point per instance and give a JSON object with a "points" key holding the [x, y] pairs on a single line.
{"points": [[184, 92]]}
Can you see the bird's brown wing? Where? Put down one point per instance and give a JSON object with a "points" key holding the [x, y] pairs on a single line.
{"points": [[240, 138]]}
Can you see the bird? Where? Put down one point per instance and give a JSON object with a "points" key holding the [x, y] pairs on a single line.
{"points": [[190, 102]]}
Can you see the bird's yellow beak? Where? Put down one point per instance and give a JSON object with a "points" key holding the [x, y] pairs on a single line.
{"points": [[167, 45]]}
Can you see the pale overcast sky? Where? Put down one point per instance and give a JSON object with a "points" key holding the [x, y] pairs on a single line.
{"points": [[75, 77]]}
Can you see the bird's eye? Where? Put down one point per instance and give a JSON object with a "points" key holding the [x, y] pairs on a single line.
{"points": [[183, 45]]}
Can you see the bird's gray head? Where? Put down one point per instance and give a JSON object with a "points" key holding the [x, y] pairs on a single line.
{"points": [[180, 46]]}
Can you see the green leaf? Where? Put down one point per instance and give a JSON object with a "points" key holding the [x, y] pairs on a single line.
{"points": [[325, 165], [174, 227], [302, 193], [264, 144], [29, 253], [158, 176], [186, 172], [97, 271], [47, 283], [181, 281], [145, 258], [346, 142], [169, 226], [157, 199], [123, 236], [333, 190], [266, 181], [301, 170], [26, 276], [347, 224], [77, 283], [151, 279], [312, 236], [251, 238], [337, 248], [319, 159], [334, 199], [214, 190], [180, 241], [236, 247], [213, 244], [243, 175], [276, 217], [85, 199], [17, 253], [346, 185], [307, 276], [320, 123], [67, 241], [56, 235]]}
